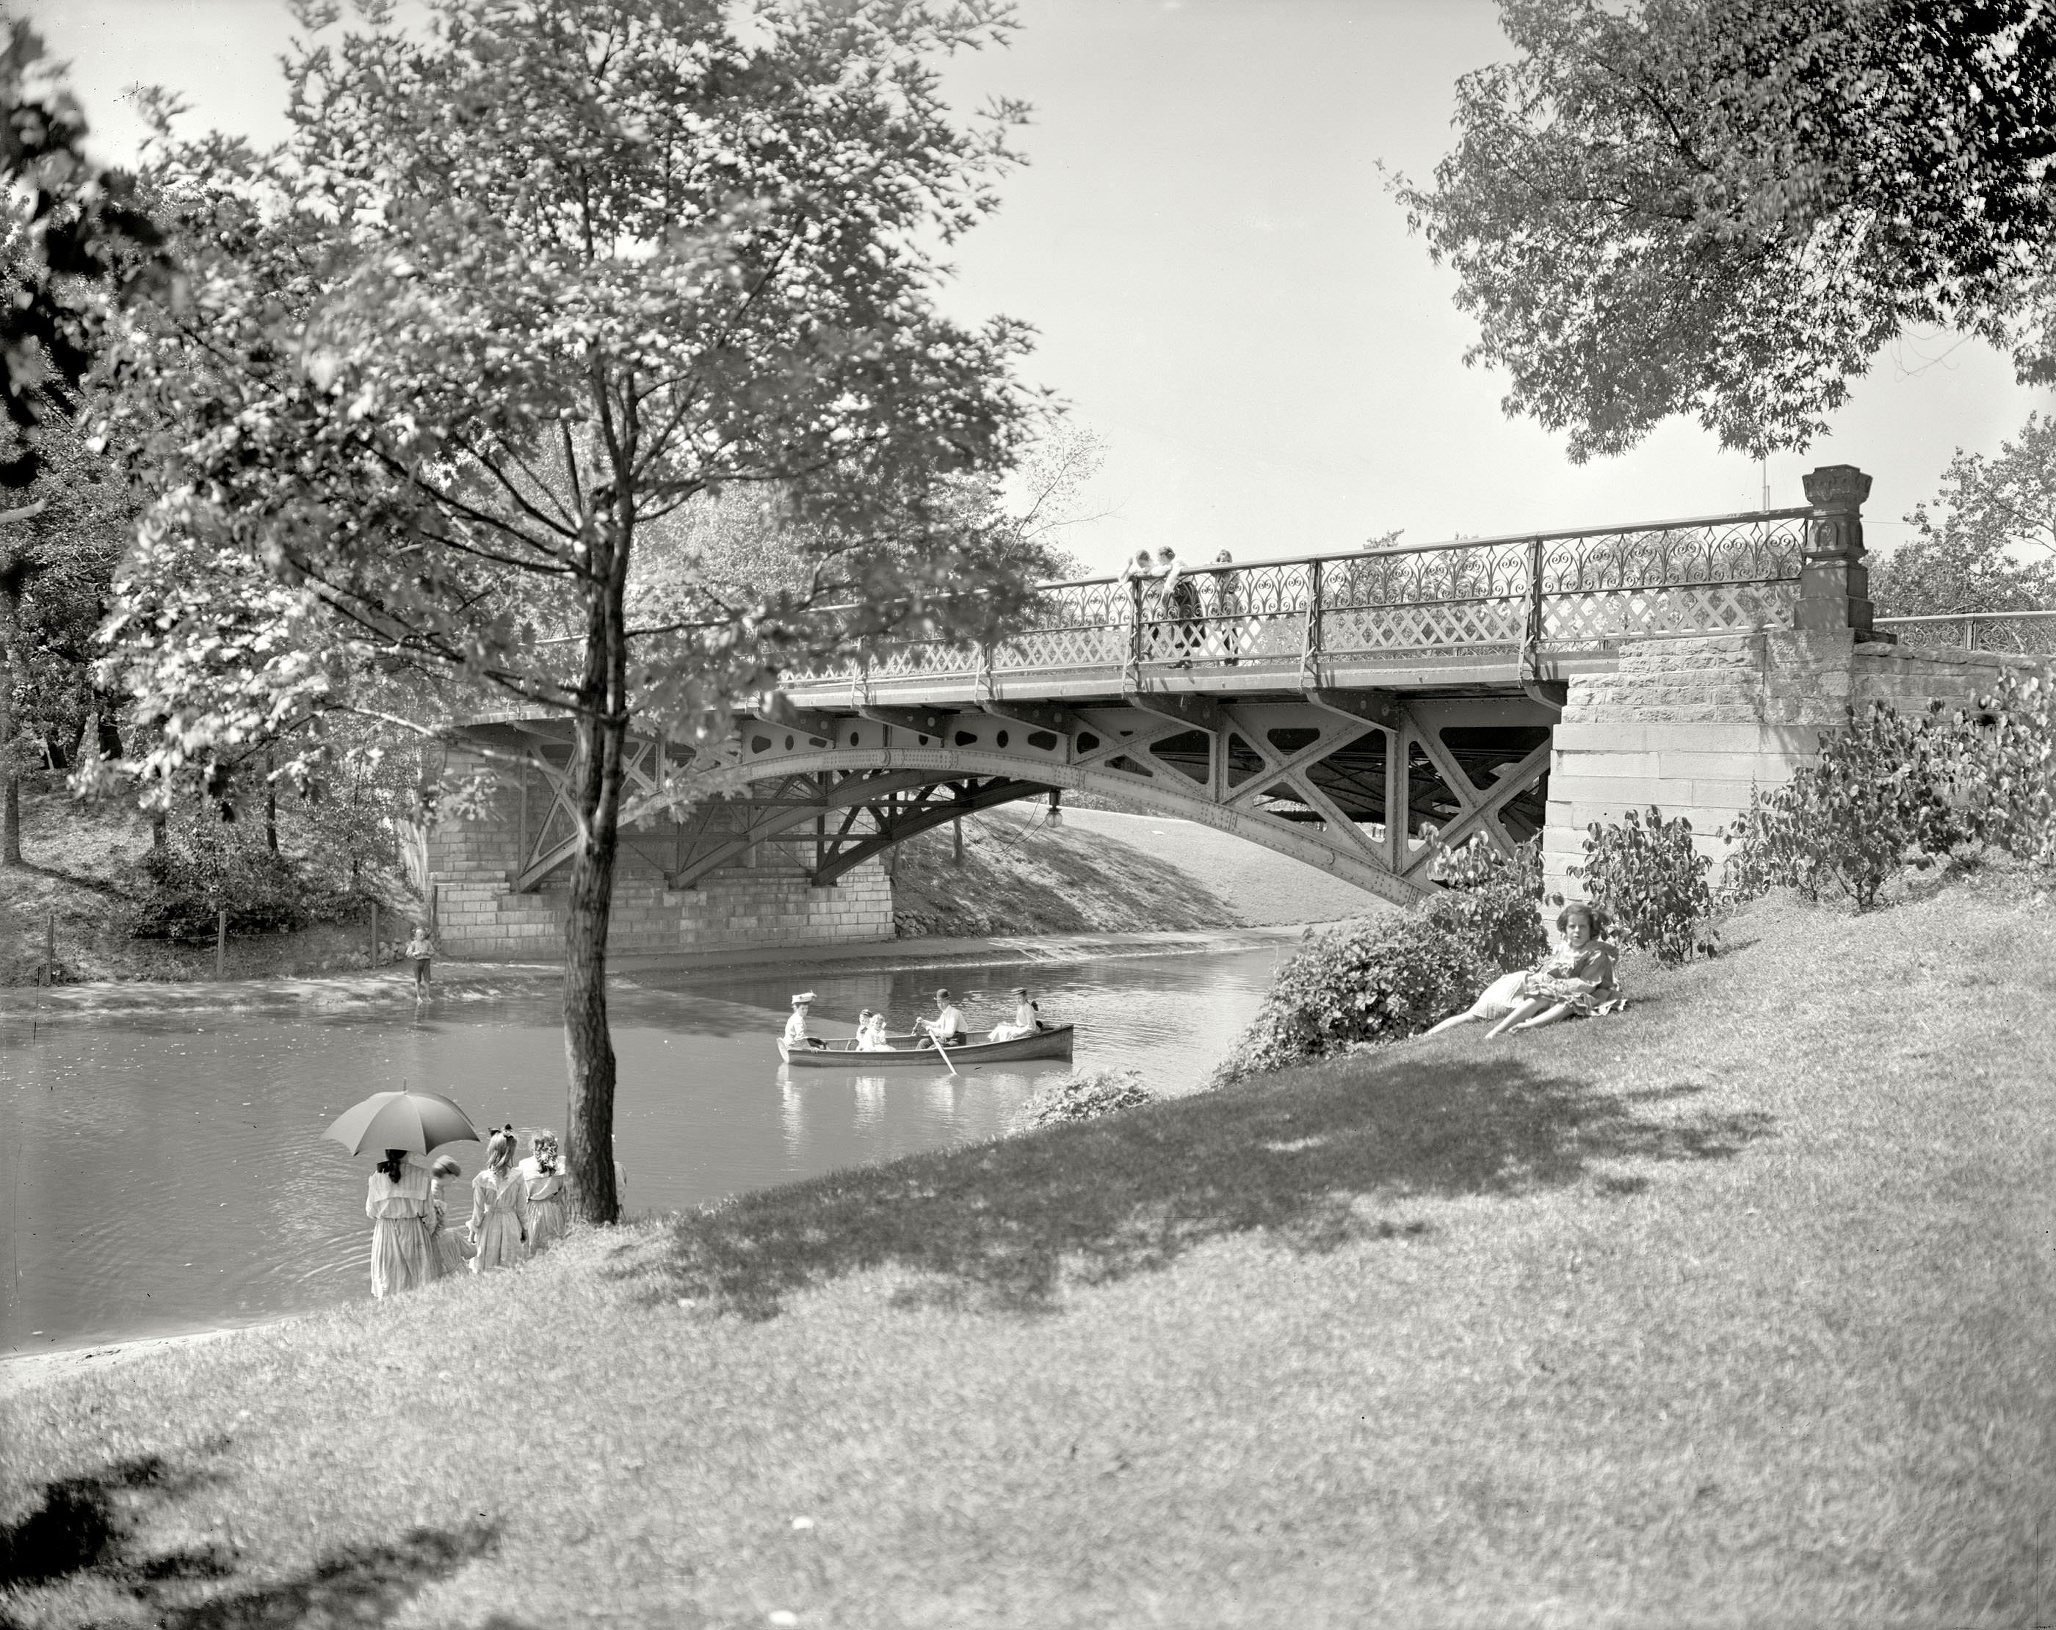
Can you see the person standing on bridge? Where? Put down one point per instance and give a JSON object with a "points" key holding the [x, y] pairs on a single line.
{"points": [[1139, 594], [1181, 594]]}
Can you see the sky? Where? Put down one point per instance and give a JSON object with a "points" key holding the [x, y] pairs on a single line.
{"points": [[1224, 293]]}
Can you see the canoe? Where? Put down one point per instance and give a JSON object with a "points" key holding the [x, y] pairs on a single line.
{"points": [[1054, 1042]]}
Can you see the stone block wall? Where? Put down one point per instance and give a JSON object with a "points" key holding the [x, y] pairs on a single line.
{"points": [[472, 865], [1692, 725]]}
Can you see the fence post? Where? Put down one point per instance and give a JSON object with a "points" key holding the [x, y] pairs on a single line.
{"points": [[1834, 582], [372, 960], [1970, 633], [1135, 632], [221, 944], [1310, 639], [1535, 595], [49, 947]]}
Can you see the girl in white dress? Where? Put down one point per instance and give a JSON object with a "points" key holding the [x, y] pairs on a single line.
{"points": [[871, 1033], [448, 1254], [400, 1206], [544, 1174], [499, 1208]]}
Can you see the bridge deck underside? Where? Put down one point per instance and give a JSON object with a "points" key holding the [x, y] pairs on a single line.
{"points": [[1373, 786]]}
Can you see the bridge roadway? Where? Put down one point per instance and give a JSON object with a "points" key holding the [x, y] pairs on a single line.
{"points": [[1365, 712]]}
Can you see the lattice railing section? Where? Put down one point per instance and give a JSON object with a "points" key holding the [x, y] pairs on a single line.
{"points": [[2013, 633], [1570, 591]]}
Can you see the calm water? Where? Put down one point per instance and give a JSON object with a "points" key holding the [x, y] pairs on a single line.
{"points": [[161, 1175]]}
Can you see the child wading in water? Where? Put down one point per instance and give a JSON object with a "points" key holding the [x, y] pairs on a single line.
{"points": [[1576, 979], [421, 948]]}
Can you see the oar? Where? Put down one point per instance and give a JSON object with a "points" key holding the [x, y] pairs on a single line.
{"points": [[942, 1047]]}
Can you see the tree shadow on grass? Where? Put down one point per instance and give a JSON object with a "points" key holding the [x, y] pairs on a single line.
{"points": [[57, 874], [1313, 1160], [83, 1536]]}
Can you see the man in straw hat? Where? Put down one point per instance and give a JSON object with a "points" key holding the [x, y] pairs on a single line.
{"points": [[796, 1026], [946, 1029]]}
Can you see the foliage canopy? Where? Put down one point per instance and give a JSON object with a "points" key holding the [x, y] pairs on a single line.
{"points": [[1989, 541], [1724, 208], [529, 288]]}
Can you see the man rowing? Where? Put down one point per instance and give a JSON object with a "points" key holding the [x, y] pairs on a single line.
{"points": [[946, 1029], [796, 1026]]}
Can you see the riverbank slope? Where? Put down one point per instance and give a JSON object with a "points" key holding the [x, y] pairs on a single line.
{"points": [[1731, 1310]]}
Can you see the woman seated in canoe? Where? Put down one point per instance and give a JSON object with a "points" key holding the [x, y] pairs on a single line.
{"points": [[796, 1026], [1576, 980], [946, 1029], [1027, 1019]]}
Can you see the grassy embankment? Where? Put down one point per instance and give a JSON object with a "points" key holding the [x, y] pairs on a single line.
{"points": [[81, 867], [1735, 1309], [1099, 872]]}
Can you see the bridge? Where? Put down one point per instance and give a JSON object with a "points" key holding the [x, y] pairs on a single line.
{"points": [[1367, 712]]}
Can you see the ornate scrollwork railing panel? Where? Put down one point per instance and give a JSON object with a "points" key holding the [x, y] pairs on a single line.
{"points": [[1468, 598]]}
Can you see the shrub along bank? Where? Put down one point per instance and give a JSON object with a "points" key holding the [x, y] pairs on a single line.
{"points": [[1384, 978], [1734, 1310]]}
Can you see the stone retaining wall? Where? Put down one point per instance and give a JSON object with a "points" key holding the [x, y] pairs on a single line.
{"points": [[472, 863], [1692, 725]]}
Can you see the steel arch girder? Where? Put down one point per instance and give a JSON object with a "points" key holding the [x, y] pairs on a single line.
{"points": [[1341, 857], [849, 794], [926, 818]]}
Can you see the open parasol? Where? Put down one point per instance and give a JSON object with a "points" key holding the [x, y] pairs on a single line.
{"points": [[417, 1121]]}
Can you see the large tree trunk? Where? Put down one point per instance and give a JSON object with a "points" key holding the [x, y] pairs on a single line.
{"points": [[596, 777], [589, 1110], [10, 782]]}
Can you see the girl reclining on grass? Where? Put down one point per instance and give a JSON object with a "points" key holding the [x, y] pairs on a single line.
{"points": [[1576, 979]]}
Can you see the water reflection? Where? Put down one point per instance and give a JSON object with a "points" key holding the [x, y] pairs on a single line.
{"points": [[166, 1173]]}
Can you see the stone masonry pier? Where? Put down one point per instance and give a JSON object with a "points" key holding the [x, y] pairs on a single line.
{"points": [[1692, 726], [480, 914]]}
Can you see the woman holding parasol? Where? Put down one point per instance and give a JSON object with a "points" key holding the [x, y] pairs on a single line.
{"points": [[399, 1204], [400, 1199]]}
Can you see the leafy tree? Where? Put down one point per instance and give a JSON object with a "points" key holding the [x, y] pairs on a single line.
{"points": [[1989, 542], [1725, 208], [77, 244], [57, 558], [525, 285], [73, 246]]}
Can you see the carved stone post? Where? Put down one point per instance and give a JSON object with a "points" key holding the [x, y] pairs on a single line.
{"points": [[1834, 582]]}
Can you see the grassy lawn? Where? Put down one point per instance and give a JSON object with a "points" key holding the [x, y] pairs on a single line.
{"points": [[1738, 1309]]}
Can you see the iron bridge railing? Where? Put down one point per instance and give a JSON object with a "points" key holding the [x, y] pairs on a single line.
{"points": [[1553, 593], [2018, 633]]}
